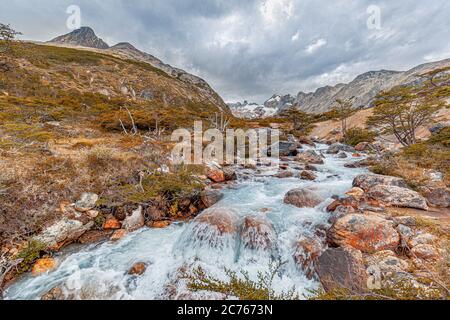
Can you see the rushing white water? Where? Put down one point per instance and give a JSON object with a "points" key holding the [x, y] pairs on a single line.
{"points": [[100, 271]]}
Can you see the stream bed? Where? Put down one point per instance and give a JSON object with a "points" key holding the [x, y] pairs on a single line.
{"points": [[100, 271]]}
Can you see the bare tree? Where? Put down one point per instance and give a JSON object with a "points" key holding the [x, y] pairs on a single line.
{"points": [[220, 122], [344, 110]]}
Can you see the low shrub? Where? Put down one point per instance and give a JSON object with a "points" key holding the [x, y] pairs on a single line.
{"points": [[358, 135]]}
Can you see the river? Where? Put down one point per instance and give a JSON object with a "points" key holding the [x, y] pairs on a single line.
{"points": [[99, 271]]}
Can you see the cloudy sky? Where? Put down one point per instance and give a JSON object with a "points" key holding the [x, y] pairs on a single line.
{"points": [[251, 49]]}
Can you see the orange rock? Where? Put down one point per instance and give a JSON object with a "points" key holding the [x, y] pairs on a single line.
{"points": [[118, 234], [112, 224], [138, 269], [160, 224], [216, 175], [43, 266], [356, 155]]}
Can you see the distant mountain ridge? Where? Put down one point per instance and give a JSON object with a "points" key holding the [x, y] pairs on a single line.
{"points": [[86, 37], [364, 88]]}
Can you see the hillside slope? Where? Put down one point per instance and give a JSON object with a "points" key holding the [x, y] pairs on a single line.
{"points": [[86, 38]]}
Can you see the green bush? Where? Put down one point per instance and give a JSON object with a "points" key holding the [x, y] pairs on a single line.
{"points": [[358, 135]]}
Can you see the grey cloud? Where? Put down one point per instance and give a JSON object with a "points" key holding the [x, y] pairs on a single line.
{"points": [[244, 49]]}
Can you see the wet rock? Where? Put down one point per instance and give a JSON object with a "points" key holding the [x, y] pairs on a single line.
{"points": [[335, 148], [42, 266], [339, 268], [347, 202], [425, 252], [310, 167], [118, 234], [216, 175], [134, 221], [361, 163], [307, 141], [307, 251], [86, 202], [92, 214], [288, 149], [159, 224], [210, 197], [342, 155], [138, 269], [219, 222], [437, 196], [112, 224], [284, 174], [63, 231], [308, 175], [94, 236], [53, 295], [230, 174], [398, 197], [370, 180], [368, 233], [310, 157], [304, 198], [258, 233]]}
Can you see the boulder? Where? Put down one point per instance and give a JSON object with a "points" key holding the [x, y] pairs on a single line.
{"points": [[307, 251], [118, 234], [284, 174], [258, 233], [86, 202], [437, 196], [406, 221], [112, 224], [386, 261], [308, 175], [342, 155], [347, 202], [63, 231], [214, 226], [216, 175], [339, 268], [398, 197], [229, 173], [335, 148], [370, 180], [425, 252], [134, 221], [138, 269], [307, 141], [42, 266], [423, 238], [309, 157], [303, 198], [368, 233], [361, 163], [437, 128], [210, 197], [94, 236], [154, 213], [288, 149]]}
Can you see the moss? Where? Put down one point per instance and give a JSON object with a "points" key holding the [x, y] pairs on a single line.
{"points": [[29, 254]]}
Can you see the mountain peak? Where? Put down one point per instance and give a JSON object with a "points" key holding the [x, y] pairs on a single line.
{"points": [[124, 46], [84, 37]]}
